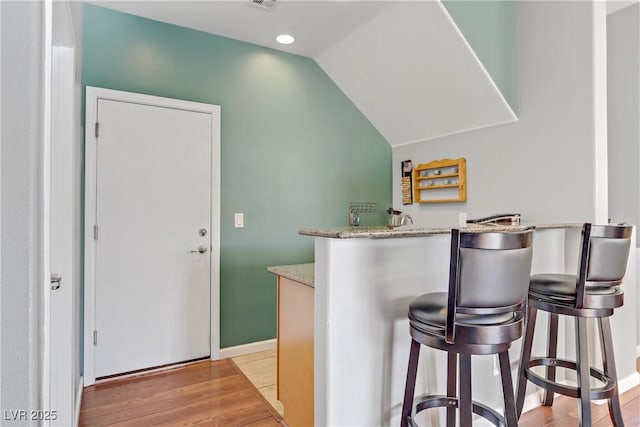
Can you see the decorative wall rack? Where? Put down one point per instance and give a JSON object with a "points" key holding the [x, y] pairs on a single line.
{"points": [[440, 181]]}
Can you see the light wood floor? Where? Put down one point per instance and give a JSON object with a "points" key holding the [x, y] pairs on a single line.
{"points": [[260, 368], [209, 393], [564, 411], [241, 392]]}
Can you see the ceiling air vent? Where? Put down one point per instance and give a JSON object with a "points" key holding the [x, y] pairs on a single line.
{"points": [[264, 4]]}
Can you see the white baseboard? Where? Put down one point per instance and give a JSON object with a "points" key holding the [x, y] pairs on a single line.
{"points": [[624, 384], [76, 419], [252, 347], [629, 382], [532, 401]]}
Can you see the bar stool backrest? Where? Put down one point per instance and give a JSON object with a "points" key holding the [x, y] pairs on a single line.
{"points": [[489, 273], [603, 257]]}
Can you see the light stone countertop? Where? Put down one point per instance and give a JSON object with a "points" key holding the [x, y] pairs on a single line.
{"points": [[383, 232], [302, 273]]}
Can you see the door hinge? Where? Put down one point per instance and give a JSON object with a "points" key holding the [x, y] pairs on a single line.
{"points": [[95, 337], [95, 232], [97, 129]]}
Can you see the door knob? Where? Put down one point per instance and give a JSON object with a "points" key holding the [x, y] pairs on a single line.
{"points": [[201, 249], [56, 279]]}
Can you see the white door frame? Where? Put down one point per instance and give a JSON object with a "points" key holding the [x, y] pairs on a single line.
{"points": [[46, 205], [59, 133], [63, 166], [93, 94]]}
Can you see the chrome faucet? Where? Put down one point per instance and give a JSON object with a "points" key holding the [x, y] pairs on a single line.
{"points": [[403, 220], [354, 218]]}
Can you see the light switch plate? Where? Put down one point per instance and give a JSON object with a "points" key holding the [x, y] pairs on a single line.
{"points": [[238, 220]]}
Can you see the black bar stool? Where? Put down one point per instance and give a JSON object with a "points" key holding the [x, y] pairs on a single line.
{"points": [[595, 292], [481, 314]]}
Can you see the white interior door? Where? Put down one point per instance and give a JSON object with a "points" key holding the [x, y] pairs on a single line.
{"points": [[152, 252]]}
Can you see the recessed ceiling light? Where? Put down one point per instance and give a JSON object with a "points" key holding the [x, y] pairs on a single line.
{"points": [[285, 39]]}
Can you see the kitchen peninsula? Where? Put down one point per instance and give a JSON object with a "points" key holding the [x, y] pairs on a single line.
{"points": [[364, 280]]}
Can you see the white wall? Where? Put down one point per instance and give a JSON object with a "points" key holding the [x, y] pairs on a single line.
{"points": [[623, 57], [543, 165], [21, 142], [551, 165], [623, 74]]}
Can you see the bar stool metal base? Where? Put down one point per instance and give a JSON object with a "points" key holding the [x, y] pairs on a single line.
{"points": [[583, 392], [458, 400], [604, 392], [441, 401], [594, 292]]}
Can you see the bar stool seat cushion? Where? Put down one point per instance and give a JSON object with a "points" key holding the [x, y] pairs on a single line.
{"points": [[431, 309], [564, 286]]}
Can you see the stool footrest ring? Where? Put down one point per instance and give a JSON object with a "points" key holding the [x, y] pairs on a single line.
{"points": [[604, 392], [441, 401]]}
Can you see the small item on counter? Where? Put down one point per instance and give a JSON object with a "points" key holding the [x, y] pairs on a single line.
{"points": [[498, 219], [396, 218]]}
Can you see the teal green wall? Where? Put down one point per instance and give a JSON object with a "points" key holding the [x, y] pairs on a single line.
{"points": [[491, 28], [295, 150]]}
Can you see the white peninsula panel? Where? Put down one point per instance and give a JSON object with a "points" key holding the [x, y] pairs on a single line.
{"points": [[364, 281]]}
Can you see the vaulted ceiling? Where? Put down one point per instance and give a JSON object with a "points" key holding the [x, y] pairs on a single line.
{"points": [[406, 65]]}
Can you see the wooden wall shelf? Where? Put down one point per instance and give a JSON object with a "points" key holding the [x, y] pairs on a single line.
{"points": [[440, 181]]}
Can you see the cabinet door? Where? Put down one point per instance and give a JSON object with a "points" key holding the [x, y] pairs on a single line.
{"points": [[295, 351]]}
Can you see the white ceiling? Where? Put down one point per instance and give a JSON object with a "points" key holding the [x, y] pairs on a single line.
{"points": [[316, 25], [404, 64], [414, 76]]}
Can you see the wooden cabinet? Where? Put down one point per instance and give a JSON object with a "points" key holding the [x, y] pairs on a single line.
{"points": [[295, 351], [440, 181]]}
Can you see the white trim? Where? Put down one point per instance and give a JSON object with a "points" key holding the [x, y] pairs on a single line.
{"points": [[625, 384], [599, 122], [444, 135], [45, 212], [532, 401], [78, 403], [63, 31], [252, 347], [62, 333], [1, 405], [629, 382], [92, 96], [637, 281]]}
